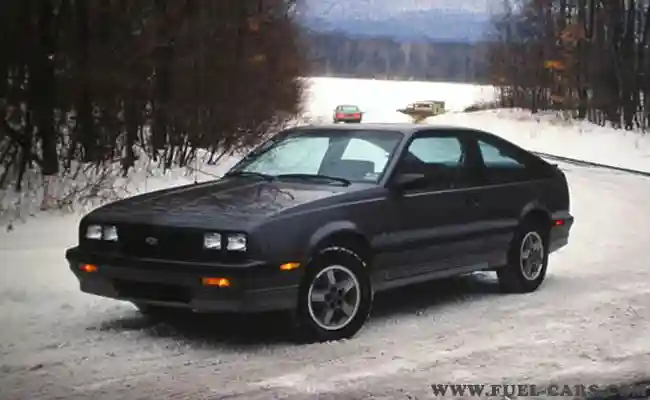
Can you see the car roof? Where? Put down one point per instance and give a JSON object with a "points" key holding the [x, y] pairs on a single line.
{"points": [[406, 128]]}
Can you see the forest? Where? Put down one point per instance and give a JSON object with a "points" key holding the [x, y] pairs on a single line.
{"points": [[589, 58], [344, 55], [91, 84]]}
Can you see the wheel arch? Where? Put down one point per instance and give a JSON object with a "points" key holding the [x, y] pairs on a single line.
{"points": [[537, 214], [341, 234]]}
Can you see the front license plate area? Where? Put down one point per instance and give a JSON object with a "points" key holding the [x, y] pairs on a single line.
{"points": [[152, 291]]}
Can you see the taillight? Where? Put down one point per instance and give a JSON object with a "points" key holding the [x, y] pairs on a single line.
{"points": [[356, 115], [340, 115]]}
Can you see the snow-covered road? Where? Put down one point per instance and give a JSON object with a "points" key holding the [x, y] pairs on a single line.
{"points": [[588, 323]]}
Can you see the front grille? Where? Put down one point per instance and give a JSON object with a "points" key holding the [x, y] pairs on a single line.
{"points": [[168, 243], [175, 244]]}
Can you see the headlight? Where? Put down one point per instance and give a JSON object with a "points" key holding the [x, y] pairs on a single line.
{"points": [[99, 232], [110, 233], [237, 242], [94, 232], [212, 241]]}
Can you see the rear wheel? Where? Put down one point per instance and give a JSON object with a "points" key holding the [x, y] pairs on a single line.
{"points": [[527, 260], [335, 297]]}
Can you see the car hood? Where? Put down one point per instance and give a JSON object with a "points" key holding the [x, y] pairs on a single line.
{"points": [[227, 203]]}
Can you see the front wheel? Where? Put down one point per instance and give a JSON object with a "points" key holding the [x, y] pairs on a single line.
{"points": [[527, 261], [335, 298]]}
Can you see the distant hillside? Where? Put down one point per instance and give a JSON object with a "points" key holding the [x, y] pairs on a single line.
{"points": [[437, 25], [334, 9], [344, 55], [407, 39]]}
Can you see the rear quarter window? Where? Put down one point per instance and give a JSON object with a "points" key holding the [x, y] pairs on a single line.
{"points": [[507, 163]]}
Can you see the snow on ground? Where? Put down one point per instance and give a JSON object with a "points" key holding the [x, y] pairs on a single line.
{"points": [[586, 324], [379, 100]]}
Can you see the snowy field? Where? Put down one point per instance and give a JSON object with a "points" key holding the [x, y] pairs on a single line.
{"points": [[587, 324]]}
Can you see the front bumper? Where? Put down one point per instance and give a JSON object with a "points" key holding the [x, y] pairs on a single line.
{"points": [[254, 287]]}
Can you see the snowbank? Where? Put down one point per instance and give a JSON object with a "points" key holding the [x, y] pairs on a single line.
{"points": [[551, 134]]}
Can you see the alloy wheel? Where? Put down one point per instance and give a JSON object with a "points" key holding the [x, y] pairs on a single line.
{"points": [[531, 256], [334, 297]]}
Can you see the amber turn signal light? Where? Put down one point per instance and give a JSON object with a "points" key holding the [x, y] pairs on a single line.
{"points": [[289, 266], [88, 268], [218, 282]]}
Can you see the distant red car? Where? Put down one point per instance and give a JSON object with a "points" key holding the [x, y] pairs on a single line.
{"points": [[347, 113]]}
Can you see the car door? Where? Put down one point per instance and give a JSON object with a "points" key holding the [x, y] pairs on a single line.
{"points": [[507, 179], [430, 221]]}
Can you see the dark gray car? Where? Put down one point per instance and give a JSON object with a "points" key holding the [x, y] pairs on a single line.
{"points": [[319, 219]]}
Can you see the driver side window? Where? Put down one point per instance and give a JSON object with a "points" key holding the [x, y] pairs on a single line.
{"points": [[445, 150], [364, 150], [441, 159]]}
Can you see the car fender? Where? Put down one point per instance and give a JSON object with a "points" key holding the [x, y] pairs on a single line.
{"points": [[330, 229], [534, 205]]}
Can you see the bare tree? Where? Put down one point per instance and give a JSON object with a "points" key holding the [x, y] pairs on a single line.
{"points": [[595, 54], [106, 81]]}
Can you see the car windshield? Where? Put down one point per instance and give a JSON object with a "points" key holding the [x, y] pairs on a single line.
{"points": [[349, 155]]}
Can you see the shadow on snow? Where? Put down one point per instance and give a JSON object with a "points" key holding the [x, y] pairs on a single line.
{"points": [[253, 330]]}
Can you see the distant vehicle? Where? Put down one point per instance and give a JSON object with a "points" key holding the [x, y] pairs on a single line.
{"points": [[320, 218], [421, 110], [347, 113]]}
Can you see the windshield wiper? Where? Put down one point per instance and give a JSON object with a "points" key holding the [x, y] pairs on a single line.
{"points": [[266, 177], [320, 177]]}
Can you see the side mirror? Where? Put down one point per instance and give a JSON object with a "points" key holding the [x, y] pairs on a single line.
{"points": [[407, 181]]}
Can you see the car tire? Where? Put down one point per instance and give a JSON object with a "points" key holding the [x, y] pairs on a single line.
{"points": [[335, 298], [527, 260]]}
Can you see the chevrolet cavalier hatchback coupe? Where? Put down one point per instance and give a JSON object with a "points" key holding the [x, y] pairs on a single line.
{"points": [[320, 218]]}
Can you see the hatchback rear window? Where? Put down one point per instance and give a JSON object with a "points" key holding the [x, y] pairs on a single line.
{"points": [[352, 109]]}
